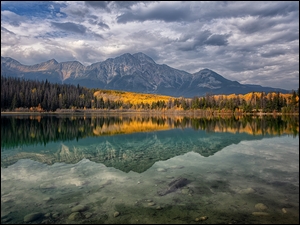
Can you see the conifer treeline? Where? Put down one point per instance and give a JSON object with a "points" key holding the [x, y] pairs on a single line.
{"points": [[20, 94]]}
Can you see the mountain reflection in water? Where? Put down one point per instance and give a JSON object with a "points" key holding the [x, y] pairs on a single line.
{"points": [[129, 143], [95, 169]]}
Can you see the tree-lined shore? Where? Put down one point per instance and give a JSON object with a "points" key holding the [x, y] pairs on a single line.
{"points": [[20, 95]]}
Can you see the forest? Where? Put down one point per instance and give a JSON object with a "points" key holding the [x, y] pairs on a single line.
{"points": [[20, 95]]}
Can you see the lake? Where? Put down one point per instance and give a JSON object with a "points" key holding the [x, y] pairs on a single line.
{"points": [[139, 168]]}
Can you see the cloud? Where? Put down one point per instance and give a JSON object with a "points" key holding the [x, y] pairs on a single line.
{"points": [[75, 28], [7, 31], [98, 4], [69, 26], [103, 25], [273, 53], [11, 18], [8, 38], [190, 42], [217, 39], [254, 43], [277, 9], [225, 10], [164, 12]]}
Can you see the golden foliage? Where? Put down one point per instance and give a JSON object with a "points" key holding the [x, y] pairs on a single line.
{"points": [[129, 127], [131, 97], [135, 98], [139, 125], [251, 96]]}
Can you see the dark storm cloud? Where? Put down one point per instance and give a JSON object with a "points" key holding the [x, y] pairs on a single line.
{"points": [[76, 28], [266, 24], [217, 39], [257, 25], [103, 25], [273, 53], [164, 13], [95, 35], [190, 42], [93, 22], [78, 12], [239, 9], [68, 26], [280, 8], [206, 11], [98, 4], [285, 36], [93, 17], [125, 4], [100, 24]]}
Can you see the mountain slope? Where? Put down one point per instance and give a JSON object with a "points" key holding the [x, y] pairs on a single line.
{"points": [[136, 72]]}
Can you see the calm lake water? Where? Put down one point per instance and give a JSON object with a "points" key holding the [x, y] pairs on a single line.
{"points": [[77, 169]]}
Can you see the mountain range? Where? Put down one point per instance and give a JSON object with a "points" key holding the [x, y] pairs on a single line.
{"points": [[148, 148], [131, 72]]}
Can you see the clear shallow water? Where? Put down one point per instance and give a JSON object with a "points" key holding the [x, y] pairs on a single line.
{"points": [[233, 177]]}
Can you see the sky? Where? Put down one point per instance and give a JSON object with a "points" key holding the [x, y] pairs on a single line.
{"points": [[249, 42]]}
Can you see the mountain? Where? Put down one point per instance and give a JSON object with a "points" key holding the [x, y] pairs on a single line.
{"points": [[131, 72], [148, 149]]}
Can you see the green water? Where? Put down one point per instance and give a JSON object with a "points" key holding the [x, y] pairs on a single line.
{"points": [[100, 169]]}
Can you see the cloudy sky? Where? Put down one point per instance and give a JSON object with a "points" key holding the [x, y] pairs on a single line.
{"points": [[250, 42]]}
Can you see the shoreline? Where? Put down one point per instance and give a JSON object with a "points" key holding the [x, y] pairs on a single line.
{"points": [[210, 113]]}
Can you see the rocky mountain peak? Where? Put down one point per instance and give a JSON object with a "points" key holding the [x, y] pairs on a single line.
{"points": [[125, 59], [137, 73], [52, 61], [10, 63], [143, 58], [8, 60], [206, 73], [48, 65]]}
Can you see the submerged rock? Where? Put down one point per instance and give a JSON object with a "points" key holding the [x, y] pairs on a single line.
{"points": [[32, 216], [47, 199], [202, 218], [161, 170], [88, 215], [247, 191], [47, 215], [75, 216], [261, 206], [173, 186], [79, 208], [283, 210]]}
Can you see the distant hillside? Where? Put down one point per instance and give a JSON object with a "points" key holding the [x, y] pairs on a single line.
{"points": [[134, 73]]}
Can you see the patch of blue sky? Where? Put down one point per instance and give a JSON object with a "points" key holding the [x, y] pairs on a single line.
{"points": [[40, 9]]}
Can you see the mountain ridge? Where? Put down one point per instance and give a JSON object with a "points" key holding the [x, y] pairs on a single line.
{"points": [[132, 72]]}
